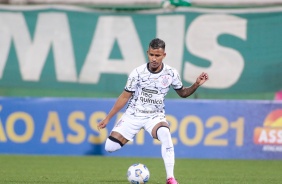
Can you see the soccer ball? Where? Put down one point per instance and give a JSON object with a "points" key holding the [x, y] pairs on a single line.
{"points": [[138, 174]]}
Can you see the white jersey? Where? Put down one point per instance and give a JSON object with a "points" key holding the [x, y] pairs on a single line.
{"points": [[149, 89]]}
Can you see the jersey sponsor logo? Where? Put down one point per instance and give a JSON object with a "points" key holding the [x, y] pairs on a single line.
{"points": [[151, 101], [147, 98], [150, 91]]}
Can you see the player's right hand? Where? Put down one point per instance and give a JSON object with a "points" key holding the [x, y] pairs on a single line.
{"points": [[102, 124]]}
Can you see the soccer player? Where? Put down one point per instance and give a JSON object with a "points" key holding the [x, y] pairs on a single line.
{"points": [[144, 92]]}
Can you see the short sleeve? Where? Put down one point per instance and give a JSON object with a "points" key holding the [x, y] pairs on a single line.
{"points": [[131, 84], [176, 81]]}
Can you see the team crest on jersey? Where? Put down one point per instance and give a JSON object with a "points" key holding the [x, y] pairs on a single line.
{"points": [[165, 80]]}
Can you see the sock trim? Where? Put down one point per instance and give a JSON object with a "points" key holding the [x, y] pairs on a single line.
{"points": [[158, 129], [115, 140]]}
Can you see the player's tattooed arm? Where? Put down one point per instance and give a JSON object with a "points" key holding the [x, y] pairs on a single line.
{"points": [[187, 91]]}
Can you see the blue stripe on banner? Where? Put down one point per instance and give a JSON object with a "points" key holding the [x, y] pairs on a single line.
{"points": [[199, 128]]}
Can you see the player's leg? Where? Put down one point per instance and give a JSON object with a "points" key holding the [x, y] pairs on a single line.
{"points": [[114, 142], [162, 133], [121, 134], [159, 129]]}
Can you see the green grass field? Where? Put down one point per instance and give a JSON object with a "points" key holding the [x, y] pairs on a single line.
{"points": [[112, 170]]}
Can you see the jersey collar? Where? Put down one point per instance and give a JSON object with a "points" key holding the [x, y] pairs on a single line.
{"points": [[155, 72]]}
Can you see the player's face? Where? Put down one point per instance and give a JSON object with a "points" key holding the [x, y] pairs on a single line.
{"points": [[155, 57]]}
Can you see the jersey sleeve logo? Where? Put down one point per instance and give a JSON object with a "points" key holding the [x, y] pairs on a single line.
{"points": [[130, 83]]}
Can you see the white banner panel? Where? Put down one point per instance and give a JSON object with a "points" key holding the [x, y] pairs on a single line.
{"points": [[236, 2], [91, 2], [147, 2]]}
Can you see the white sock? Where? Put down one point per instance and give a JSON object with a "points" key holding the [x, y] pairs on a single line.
{"points": [[167, 150], [112, 146]]}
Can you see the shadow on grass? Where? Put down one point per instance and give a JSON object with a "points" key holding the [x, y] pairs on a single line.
{"points": [[95, 150]]}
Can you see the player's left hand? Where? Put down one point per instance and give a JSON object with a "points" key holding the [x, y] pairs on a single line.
{"points": [[202, 78]]}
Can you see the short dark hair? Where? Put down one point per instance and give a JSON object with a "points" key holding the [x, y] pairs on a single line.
{"points": [[157, 43]]}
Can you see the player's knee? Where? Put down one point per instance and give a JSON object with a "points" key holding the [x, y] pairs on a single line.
{"points": [[112, 144], [163, 131]]}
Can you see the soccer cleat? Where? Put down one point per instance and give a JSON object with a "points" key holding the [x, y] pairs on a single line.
{"points": [[171, 181]]}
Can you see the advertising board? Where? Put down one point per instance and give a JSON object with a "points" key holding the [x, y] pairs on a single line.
{"points": [[220, 129]]}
